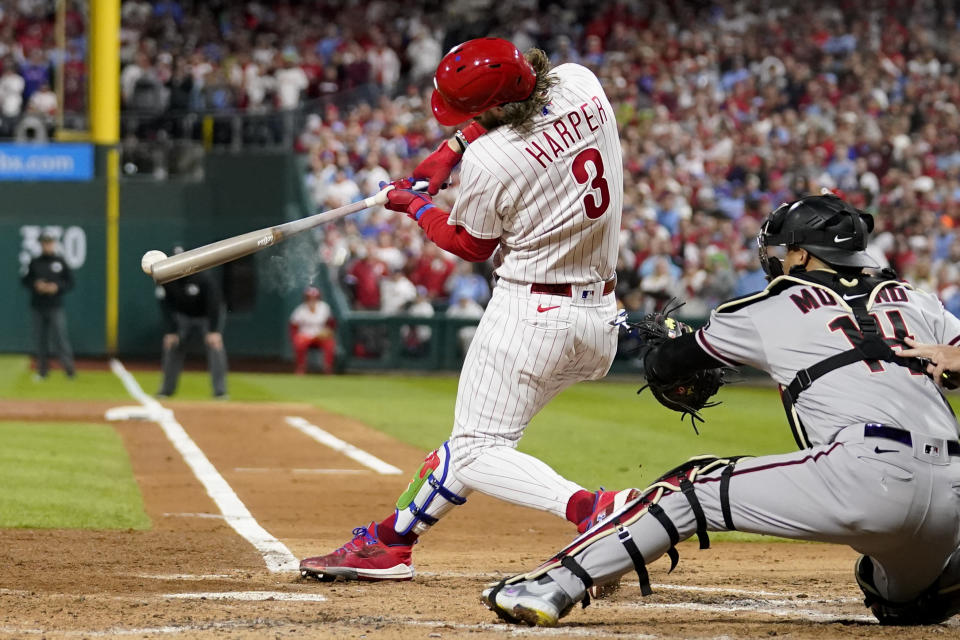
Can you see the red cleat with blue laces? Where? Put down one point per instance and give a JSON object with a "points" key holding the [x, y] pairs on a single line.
{"points": [[605, 503], [363, 558]]}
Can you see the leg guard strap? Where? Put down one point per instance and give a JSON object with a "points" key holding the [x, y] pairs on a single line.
{"points": [[725, 495], [445, 493], [574, 567], [657, 512], [639, 564], [687, 488]]}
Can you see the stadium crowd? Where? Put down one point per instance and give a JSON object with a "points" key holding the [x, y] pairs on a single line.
{"points": [[726, 109]]}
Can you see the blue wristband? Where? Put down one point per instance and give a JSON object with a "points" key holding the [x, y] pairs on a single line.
{"points": [[422, 210]]}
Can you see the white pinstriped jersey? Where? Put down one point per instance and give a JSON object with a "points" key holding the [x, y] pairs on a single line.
{"points": [[552, 195], [797, 327]]}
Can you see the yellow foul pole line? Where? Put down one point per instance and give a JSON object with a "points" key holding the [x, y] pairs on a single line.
{"points": [[105, 131]]}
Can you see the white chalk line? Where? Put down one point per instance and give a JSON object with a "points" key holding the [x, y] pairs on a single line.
{"points": [[354, 453], [250, 596], [182, 576], [515, 630], [304, 471], [126, 631], [752, 607], [506, 630], [276, 554], [495, 577], [212, 516]]}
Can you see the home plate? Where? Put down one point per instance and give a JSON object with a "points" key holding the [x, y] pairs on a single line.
{"points": [[251, 596]]}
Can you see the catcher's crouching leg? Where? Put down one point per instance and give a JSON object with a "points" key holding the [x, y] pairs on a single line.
{"points": [[432, 492], [938, 603], [610, 549]]}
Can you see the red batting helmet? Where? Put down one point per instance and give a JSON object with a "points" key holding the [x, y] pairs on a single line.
{"points": [[478, 75]]}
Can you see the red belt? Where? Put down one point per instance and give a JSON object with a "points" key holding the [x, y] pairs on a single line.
{"points": [[566, 290]]}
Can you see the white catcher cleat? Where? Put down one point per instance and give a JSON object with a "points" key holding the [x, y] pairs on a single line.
{"points": [[538, 603]]}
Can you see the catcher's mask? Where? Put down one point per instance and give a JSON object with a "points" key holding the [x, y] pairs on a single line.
{"points": [[826, 226]]}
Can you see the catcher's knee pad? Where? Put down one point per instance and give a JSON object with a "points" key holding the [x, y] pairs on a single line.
{"points": [[678, 480], [937, 603], [433, 491]]}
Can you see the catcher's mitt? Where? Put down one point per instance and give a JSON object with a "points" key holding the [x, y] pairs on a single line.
{"points": [[692, 393]]}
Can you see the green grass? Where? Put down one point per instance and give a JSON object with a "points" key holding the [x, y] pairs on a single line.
{"points": [[17, 382], [67, 476]]}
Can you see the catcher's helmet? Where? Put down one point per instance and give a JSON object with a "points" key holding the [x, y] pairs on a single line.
{"points": [[478, 75], [825, 226]]}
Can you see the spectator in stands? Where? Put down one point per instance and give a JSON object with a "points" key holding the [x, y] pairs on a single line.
{"points": [[751, 279], [291, 81], [311, 326], [432, 269], [424, 53], [466, 308], [363, 279], [43, 102], [467, 283], [11, 94], [35, 71], [388, 253], [397, 293], [416, 338]]}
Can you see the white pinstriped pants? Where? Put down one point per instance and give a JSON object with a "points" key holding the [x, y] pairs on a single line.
{"points": [[528, 348]]}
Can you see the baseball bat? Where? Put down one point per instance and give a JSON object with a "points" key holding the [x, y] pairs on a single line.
{"points": [[222, 251]]}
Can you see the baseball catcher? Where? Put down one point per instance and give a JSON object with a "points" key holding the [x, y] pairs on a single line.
{"points": [[878, 464]]}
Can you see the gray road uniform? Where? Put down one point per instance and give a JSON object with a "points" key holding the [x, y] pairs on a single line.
{"points": [[879, 464]]}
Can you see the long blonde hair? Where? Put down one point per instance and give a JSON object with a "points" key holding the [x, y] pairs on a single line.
{"points": [[519, 115]]}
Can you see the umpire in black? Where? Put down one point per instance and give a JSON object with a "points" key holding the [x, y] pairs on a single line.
{"points": [[48, 277], [192, 305]]}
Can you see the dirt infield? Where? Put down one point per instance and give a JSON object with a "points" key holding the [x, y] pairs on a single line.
{"points": [[193, 576]]}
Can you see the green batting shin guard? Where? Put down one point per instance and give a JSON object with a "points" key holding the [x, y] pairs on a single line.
{"points": [[432, 492]]}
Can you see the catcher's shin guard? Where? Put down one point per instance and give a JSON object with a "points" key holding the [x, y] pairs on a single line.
{"points": [[433, 491], [678, 480], [938, 603]]}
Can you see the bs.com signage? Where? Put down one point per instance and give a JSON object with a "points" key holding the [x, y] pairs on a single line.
{"points": [[60, 162]]}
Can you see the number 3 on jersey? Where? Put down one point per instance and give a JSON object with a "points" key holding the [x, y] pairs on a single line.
{"points": [[591, 207]]}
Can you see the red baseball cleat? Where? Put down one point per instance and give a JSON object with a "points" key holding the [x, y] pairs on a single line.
{"points": [[363, 558], [605, 503]]}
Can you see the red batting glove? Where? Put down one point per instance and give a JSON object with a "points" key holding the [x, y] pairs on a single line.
{"points": [[405, 200], [436, 167]]}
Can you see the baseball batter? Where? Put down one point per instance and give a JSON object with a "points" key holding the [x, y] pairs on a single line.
{"points": [[879, 463], [542, 184]]}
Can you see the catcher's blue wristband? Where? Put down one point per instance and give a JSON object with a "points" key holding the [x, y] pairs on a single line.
{"points": [[423, 210]]}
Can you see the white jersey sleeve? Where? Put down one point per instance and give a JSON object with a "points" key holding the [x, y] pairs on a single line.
{"points": [[945, 325], [481, 198]]}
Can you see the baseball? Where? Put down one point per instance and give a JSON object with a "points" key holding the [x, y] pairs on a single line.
{"points": [[151, 258]]}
